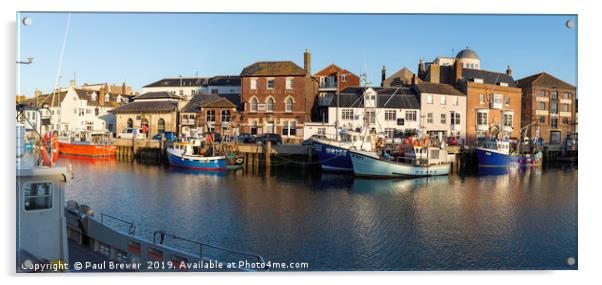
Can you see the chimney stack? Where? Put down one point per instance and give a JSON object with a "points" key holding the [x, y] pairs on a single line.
{"points": [[72, 83], [101, 95], [307, 62], [123, 88], [434, 73], [458, 70], [383, 74], [509, 71], [413, 79], [421, 67]]}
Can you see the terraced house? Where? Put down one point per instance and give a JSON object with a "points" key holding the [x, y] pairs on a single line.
{"points": [[277, 97], [549, 107], [209, 113]]}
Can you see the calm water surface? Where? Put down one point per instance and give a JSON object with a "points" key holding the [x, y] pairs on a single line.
{"points": [[519, 220]]}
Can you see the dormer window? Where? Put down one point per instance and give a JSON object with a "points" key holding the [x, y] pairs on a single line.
{"points": [[478, 80], [107, 98], [93, 96], [503, 84]]}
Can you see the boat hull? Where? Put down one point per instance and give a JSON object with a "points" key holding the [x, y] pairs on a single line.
{"points": [[367, 165], [333, 156], [87, 150], [492, 158], [197, 163]]}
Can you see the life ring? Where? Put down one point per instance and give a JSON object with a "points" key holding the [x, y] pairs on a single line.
{"points": [[50, 140]]}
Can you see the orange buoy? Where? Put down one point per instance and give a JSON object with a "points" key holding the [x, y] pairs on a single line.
{"points": [[50, 149]]}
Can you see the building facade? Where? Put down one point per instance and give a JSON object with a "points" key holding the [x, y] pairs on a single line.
{"points": [[209, 113], [391, 111], [153, 112], [73, 109], [277, 97], [185, 87], [443, 110], [492, 98], [332, 79], [549, 108], [222, 84]]}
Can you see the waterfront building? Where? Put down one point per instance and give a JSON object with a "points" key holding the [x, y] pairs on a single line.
{"points": [[74, 109], [277, 97], [332, 79], [403, 77], [153, 112], [492, 98], [221, 84], [391, 111], [209, 113], [442, 109], [549, 106], [185, 87]]}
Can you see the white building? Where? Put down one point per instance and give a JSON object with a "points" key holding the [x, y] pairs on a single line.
{"points": [[443, 110], [392, 111], [185, 87], [71, 110], [223, 84]]}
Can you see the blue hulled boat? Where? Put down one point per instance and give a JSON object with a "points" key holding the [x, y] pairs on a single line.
{"points": [[182, 155], [497, 153], [334, 154]]}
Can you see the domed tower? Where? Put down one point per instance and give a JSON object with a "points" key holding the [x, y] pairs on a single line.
{"points": [[469, 59]]}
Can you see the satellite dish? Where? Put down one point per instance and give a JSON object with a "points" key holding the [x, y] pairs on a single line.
{"points": [[570, 24], [27, 21]]}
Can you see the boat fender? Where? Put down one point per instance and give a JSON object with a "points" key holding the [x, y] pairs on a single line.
{"points": [[50, 149]]}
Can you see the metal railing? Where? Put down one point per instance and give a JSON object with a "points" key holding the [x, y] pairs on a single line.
{"points": [[132, 226], [159, 238]]}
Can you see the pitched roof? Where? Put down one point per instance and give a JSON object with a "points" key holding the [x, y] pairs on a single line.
{"points": [[395, 97], [489, 77], [398, 78], [273, 68], [224, 80], [437, 88], [146, 106], [157, 95], [328, 70], [543, 79], [207, 100], [177, 82]]}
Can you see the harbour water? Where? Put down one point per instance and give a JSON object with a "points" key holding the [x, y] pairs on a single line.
{"points": [[524, 219]]}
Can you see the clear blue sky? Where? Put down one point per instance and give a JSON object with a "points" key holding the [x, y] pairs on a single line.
{"points": [[143, 48]]}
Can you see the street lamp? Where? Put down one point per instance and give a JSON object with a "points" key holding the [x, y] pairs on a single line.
{"points": [[29, 61]]}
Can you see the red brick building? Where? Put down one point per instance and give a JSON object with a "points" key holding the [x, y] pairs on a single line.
{"points": [[209, 113], [549, 105], [277, 97], [332, 79]]}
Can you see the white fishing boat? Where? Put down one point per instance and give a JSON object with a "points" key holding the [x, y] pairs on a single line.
{"points": [[415, 161]]}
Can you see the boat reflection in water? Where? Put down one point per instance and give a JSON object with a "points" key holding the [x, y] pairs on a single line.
{"points": [[371, 186]]}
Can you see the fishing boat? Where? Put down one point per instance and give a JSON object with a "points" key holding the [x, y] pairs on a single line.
{"points": [[414, 161], [87, 144], [503, 152], [333, 154], [373, 165], [188, 155]]}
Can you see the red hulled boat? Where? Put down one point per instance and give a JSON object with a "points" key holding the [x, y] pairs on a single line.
{"points": [[88, 145]]}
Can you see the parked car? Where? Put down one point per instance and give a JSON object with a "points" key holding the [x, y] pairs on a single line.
{"points": [[246, 138], [130, 133], [274, 138], [169, 136]]}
